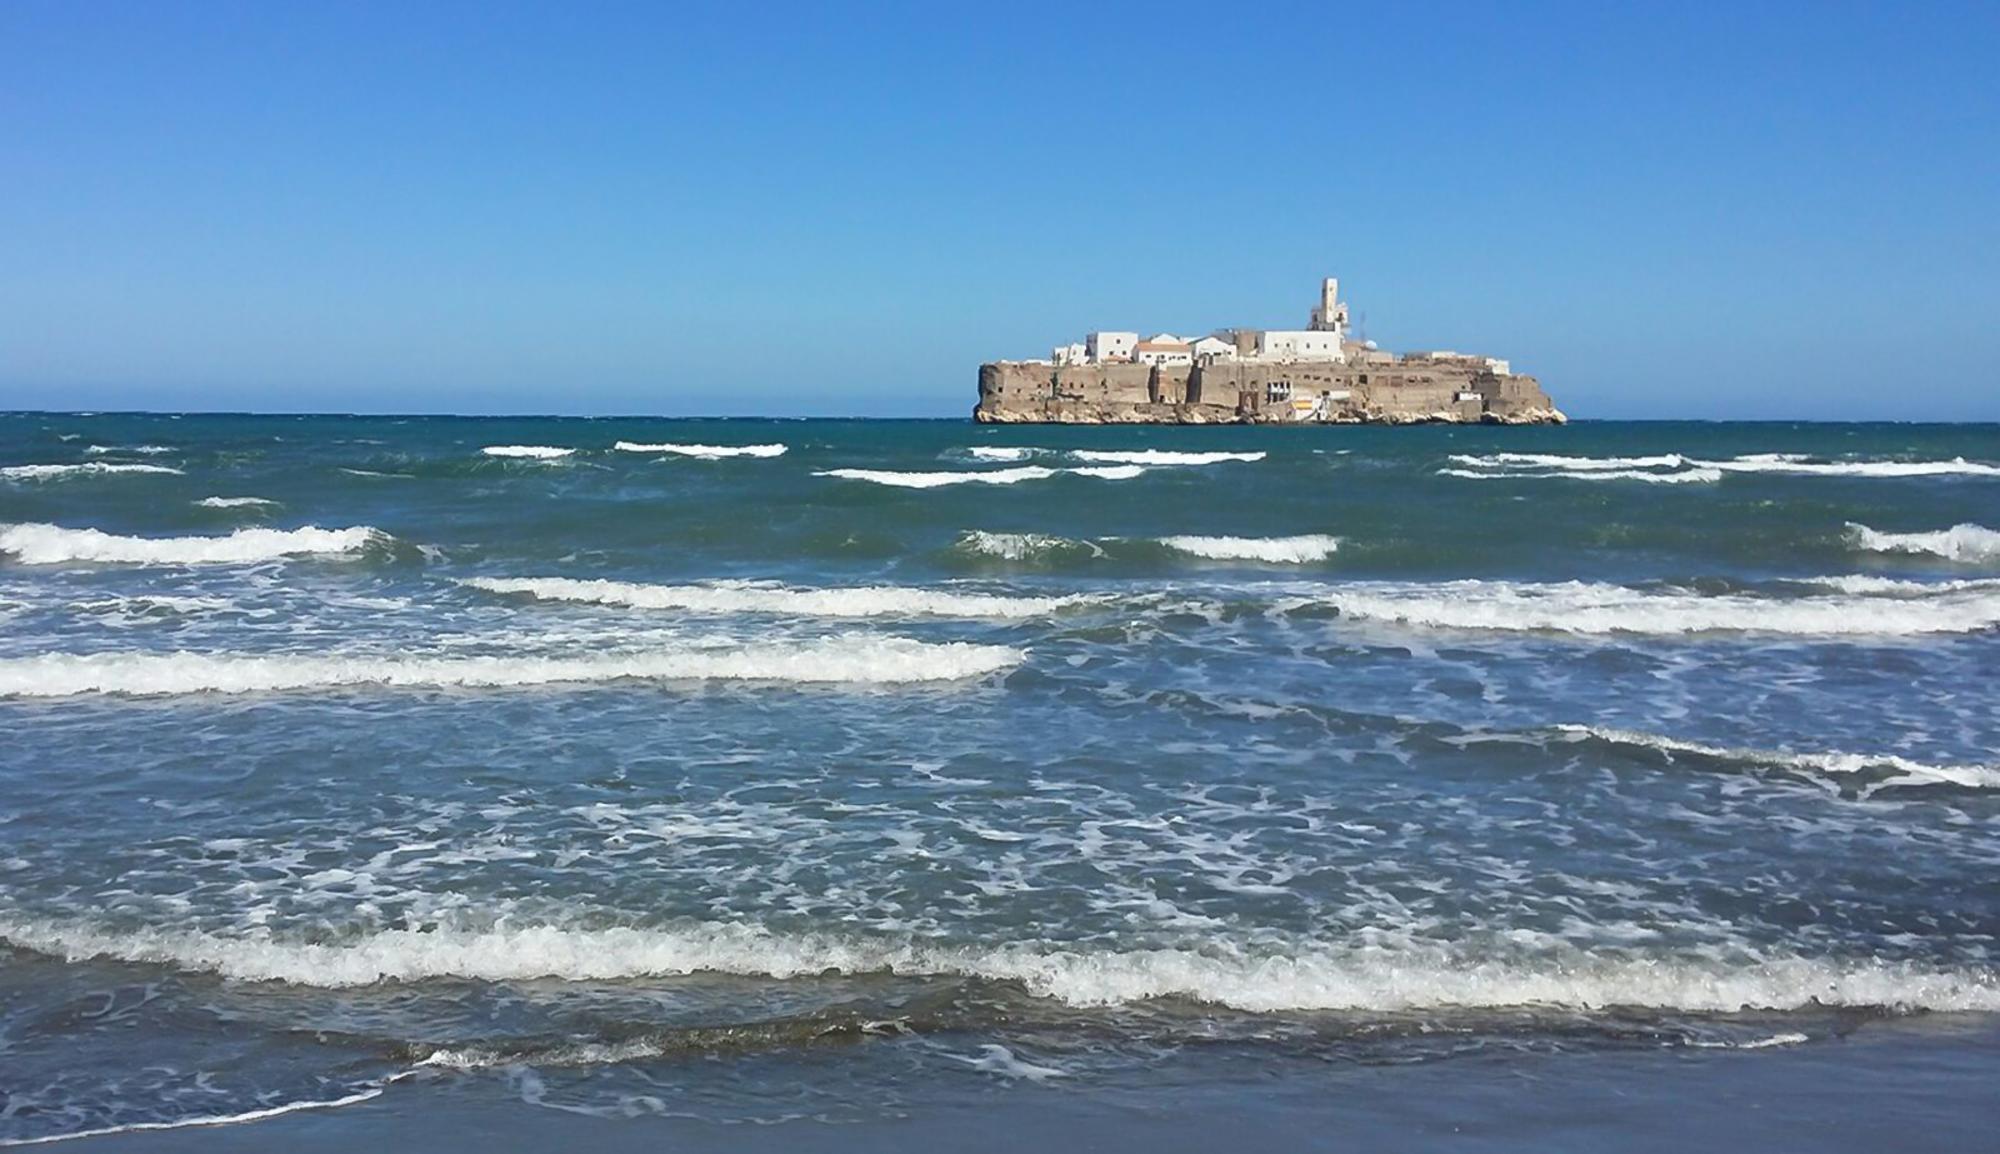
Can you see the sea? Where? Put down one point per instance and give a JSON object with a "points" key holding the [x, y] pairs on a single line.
{"points": [[621, 784]]}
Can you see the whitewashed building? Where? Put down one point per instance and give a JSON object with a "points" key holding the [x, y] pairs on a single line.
{"points": [[1208, 350], [1110, 346], [1163, 349], [1073, 353], [1287, 345]]}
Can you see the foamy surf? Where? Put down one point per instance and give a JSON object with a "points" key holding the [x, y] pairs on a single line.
{"points": [[1277, 550], [260, 1114], [1161, 457], [1258, 980], [1580, 607], [1013, 476], [85, 469], [745, 597], [40, 544], [1908, 772], [1683, 469], [142, 450], [533, 452], [710, 451], [1967, 543], [233, 502], [1021, 546], [857, 660]]}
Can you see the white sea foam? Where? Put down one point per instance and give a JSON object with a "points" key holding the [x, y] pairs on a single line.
{"points": [[1777, 463], [1963, 542], [39, 544], [257, 1115], [1108, 472], [1020, 546], [536, 452], [1293, 550], [86, 469], [747, 597], [1160, 457], [233, 502], [1560, 461], [1002, 452], [1518, 465], [1912, 772], [858, 659], [1015, 475], [709, 451], [144, 450], [1314, 977], [1592, 608], [1700, 475]]}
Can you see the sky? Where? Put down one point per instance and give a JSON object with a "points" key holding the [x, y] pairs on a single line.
{"points": [[1697, 210]]}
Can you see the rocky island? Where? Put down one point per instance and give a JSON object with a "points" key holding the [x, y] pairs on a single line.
{"points": [[1255, 376]]}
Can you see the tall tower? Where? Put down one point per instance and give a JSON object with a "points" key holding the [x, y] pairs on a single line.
{"points": [[1329, 316]]}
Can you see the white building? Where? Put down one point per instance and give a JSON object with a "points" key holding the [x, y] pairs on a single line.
{"points": [[1163, 349], [1070, 354], [1110, 346], [1208, 350], [1286, 345]]}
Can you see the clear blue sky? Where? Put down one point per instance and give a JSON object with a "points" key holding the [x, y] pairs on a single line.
{"points": [[1702, 210]]}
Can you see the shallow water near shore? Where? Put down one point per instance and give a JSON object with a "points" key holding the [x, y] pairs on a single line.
{"points": [[613, 782]]}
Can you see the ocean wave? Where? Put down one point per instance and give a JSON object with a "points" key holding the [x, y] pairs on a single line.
{"points": [[1002, 452], [1700, 475], [1021, 546], [1964, 542], [41, 544], [233, 502], [1521, 465], [1590, 608], [536, 452], [143, 450], [709, 451], [1015, 475], [1292, 550], [86, 469], [1160, 457], [1366, 978], [746, 597], [1910, 772], [363, 1094], [1561, 461], [857, 659]]}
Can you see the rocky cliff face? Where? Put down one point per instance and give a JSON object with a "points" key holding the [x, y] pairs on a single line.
{"points": [[1401, 392]]}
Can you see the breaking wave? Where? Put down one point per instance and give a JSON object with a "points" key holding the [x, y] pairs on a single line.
{"points": [[932, 480], [1022, 546], [233, 502], [363, 1094], [1160, 457], [1590, 608], [1002, 452], [746, 597], [86, 469], [1965, 542], [1359, 977], [857, 659], [1910, 772], [40, 544], [710, 451], [1291, 550], [536, 452], [143, 450], [1692, 469]]}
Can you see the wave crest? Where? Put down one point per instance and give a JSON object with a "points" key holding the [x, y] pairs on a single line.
{"points": [[1015, 475], [533, 452], [1285, 550], [1963, 542], [1909, 772], [43, 544], [709, 451], [1369, 978], [86, 469], [745, 597], [859, 660]]}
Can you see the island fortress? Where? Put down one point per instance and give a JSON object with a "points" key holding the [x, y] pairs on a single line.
{"points": [[1314, 374]]}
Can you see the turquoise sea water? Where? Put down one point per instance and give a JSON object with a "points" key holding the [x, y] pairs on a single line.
{"points": [[640, 779]]}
